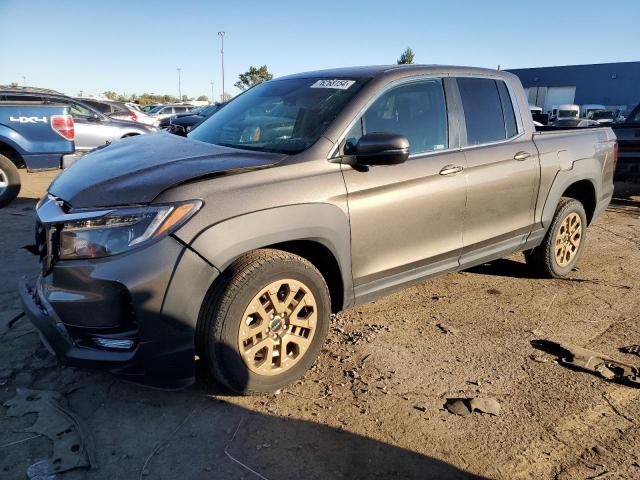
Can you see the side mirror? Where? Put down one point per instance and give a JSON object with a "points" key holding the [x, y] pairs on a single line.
{"points": [[381, 149]]}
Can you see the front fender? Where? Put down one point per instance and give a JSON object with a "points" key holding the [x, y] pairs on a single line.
{"points": [[326, 224]]}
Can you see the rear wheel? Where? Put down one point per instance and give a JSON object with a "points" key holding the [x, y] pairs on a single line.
{"points": [[9, 181], [563, 244], [265, 321]]}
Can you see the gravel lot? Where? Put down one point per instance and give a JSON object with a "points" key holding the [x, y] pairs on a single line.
{"points": [[372, 406]]}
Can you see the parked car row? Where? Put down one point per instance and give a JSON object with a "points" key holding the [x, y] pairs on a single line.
{"points": [[598, 113], [43, 130], [183, 123], [119, 110]]}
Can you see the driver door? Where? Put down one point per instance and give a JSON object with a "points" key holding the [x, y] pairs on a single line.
{"points": [[406, 219]]}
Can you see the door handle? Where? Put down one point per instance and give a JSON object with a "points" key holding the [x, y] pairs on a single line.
{"points": [[520, 156], [451, 169]]}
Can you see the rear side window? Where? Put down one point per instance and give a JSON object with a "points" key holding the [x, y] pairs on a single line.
{"points": [[507, 110], [482, 110]]}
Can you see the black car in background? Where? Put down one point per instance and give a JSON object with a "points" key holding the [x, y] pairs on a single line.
{"points": [[628, 134], [183, 124]]}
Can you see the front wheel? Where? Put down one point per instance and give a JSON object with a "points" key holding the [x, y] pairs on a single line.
{"points": [[564, 242], [9, 181], [264, 321]]}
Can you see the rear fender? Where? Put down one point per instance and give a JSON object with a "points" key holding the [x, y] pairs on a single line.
{"points": [[578, 171]]}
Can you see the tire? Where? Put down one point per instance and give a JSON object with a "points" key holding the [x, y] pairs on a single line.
{"points": [[9, 181], [240, 362], [546, 258]]}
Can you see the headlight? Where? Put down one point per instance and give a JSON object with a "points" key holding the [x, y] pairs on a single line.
{"points": [[122, 229]]}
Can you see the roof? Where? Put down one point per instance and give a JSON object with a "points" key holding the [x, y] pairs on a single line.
{"points": [[377, 70], [25, 90]]}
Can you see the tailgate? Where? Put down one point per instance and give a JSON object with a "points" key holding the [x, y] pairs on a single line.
{"points": [[27, 128]]}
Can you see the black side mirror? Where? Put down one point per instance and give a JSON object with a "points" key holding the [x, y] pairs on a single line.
{"points": [[381, 149]]}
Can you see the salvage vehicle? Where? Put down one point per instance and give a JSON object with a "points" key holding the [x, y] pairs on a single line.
{"points": [[35, 137], [92, 128], [628, 134], [303, 196]]}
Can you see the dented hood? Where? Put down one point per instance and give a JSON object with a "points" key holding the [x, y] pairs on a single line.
{"points": [[136, 170]]}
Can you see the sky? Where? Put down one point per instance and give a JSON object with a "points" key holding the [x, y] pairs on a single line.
{"points": [[135, 46]]}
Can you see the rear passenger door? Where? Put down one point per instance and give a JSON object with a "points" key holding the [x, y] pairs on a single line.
{"points": [[502, 170]]}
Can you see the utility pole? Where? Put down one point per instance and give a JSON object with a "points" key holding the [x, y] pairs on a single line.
{"points": [[24, 81], [212, 97], [221, 34], [179, 86]]}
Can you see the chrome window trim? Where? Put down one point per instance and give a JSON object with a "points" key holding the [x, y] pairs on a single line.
{"points": [[333, 152]]}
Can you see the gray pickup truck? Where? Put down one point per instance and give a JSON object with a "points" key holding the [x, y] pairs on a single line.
{"points": [[304, 195]]}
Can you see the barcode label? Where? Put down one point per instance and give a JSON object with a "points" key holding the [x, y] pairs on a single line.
{"points": [[338, 84]]}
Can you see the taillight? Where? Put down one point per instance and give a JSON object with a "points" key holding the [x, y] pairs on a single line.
{"points": [[63, 126], [615, 156], [133, 116]]}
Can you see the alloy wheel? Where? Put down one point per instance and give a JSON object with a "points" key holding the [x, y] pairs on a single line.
{"points": [[568, 239], [277, 327]]}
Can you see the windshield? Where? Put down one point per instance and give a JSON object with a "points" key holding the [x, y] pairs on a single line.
{"points": [[208, 110], [155, 109], [602, 115], [284, 116]]}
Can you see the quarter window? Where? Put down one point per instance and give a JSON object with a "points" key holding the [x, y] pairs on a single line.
{"points": [[507, 110], [483, 110]]}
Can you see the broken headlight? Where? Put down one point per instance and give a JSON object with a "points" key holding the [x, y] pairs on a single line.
{"points": [[122, 229]]}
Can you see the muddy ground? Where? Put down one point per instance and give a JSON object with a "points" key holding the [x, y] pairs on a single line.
{"points": [[372, 406]]}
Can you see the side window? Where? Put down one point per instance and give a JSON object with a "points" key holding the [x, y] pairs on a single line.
{"points": [[77, 111], [482, 110], [507, 110], [416, 110]]}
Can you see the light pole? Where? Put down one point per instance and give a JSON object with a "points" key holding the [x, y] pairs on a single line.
{"points": [[24, 81], [222, 52], [212, 98], [179, 87]]}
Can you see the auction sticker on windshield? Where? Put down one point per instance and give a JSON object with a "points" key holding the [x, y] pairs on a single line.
{"points": [[336, 83]]}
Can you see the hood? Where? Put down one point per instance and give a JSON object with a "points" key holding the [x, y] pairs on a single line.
{"points": [[136, 170]]}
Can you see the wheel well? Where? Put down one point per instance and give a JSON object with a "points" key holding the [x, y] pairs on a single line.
{"points": [[321, 258], [129, 135], [11, 153], [585, 193]]}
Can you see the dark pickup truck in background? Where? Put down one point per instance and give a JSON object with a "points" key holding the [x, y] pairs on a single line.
{"points": [[35, 137], [628, 135]]}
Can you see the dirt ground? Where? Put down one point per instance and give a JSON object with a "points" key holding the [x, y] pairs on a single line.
{"points": [[372, 406]]}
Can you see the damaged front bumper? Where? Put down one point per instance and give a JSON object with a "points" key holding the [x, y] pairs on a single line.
{"points": [[134, 315]]}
